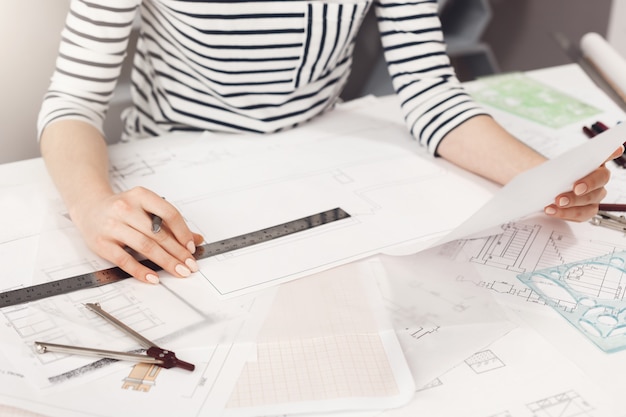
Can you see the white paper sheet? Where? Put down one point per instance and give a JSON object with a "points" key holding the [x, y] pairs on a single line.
{"points": [[534, 189], [366, 165]]}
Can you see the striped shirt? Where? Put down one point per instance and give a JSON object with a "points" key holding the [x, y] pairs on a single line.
{"points": [[247, 65]]}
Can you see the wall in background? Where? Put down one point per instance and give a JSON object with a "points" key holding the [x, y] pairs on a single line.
{"points": [[520, 34], [617, 26], [30, 32], [520, 31], [29, 38]]}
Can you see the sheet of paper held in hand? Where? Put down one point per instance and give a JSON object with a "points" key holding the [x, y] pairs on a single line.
{"points": [[532, 190]]}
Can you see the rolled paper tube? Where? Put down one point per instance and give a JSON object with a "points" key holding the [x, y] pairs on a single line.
{"points": [[609, 64]]}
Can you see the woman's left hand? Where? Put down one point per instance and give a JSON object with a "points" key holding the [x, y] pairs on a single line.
{"points": [[581, 203]]}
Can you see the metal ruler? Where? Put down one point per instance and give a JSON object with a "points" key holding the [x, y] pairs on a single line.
{"points": [[115, 274]]}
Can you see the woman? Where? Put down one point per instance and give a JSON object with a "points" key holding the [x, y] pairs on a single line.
{"points": [[248, 66]]}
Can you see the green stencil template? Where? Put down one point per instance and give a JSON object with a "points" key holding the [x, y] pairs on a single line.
{"points": [[522, 96], [590, 295]]}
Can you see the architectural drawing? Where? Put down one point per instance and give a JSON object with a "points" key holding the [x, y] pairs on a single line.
{"points": [[378, 182], [507, 250], [581, 278], [484, 361], [142, 377], [433, 384], [526, 246], [566, 404], [421, 331]]}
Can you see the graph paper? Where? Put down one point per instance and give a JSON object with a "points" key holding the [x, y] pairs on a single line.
{"points": [[324, 347]]}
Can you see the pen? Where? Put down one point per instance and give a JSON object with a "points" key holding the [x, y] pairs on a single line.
{"points": [[588, 132], [156, 223], [612, 207], [598, 127], [602, 126]]}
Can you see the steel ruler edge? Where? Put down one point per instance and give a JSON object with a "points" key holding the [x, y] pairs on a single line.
{"points": [[115, 274]]}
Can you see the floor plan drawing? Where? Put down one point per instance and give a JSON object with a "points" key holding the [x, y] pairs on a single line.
{"points": [[526, 246], [142, 377], [484, 361], [566, 404], [508, 250]]}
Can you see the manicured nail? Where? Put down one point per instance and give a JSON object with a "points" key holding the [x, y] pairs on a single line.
{"points": [[152, 279], [191, 263], [191, 247], [550, 210], [563, 201], [182, 270], [580, 189]]}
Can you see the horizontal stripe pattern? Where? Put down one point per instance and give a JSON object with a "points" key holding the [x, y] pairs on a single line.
{"points": [[433, 100], [246, 65]]}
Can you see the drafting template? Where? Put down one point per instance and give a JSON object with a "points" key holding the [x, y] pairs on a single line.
{"points": [[590, 294]]}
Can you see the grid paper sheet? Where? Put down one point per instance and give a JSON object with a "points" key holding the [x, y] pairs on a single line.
{"points": [[326, 345]]}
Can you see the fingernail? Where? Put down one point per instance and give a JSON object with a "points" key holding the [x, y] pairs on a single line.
{"points": [[191, 247], [550, 210], [191, 263], [563, 201], [182, 270], [580, 189], [152, 279]]}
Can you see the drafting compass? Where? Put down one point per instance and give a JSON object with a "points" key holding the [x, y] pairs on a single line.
{"points": [[154, 354], [606, 219], [610, 221]]}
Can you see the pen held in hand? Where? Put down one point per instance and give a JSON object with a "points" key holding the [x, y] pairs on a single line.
{"points": [[156, 223]]}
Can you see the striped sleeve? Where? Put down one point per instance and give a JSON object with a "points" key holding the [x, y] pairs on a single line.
{"points": [[93, 47], [432, 98]]}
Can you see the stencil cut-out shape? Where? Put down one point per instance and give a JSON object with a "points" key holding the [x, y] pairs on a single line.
{"points": [[551, 289], [590, 294]]}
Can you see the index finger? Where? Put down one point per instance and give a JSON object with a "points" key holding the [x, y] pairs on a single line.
{"points": [[593, 181], [617, 153], [164, 212]]}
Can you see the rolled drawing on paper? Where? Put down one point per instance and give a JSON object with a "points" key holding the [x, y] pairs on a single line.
{"points": [[607, 61]]}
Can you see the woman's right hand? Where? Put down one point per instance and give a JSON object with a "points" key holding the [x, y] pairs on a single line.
{"points": [[112, 224], [76, 156]]}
